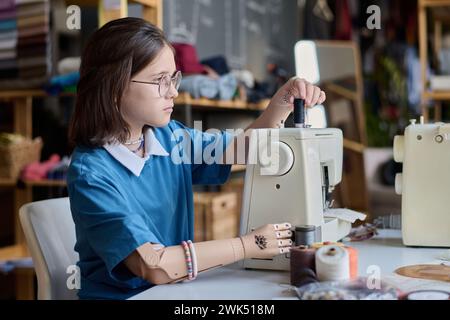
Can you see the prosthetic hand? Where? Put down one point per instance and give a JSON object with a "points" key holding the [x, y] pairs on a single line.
{"points": [[159, 265], [267, 241]]}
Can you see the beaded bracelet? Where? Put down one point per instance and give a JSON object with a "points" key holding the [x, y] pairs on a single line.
{"points": [[188, 259], [194, 258]]}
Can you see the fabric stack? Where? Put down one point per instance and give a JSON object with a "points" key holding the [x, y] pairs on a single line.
{"points": [[25, 60], [54, 168], [202, 80]]}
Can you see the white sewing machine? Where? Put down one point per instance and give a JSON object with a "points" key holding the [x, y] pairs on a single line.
{"points": [[297, 190], [424, 183]]}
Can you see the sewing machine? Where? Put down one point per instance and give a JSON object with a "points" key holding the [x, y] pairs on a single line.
{"points": [[293, 185], [424, 183]]}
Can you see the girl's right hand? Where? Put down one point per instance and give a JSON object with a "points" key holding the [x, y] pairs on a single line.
{"points": [[267, 241]]}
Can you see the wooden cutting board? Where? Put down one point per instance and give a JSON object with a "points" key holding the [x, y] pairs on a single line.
{"points": [[426, 271]]}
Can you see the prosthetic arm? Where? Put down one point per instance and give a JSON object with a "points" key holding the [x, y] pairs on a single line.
{"points": [[159, 265]]}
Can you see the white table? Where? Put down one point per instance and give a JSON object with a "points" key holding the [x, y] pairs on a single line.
{"points": [[232, 282]]}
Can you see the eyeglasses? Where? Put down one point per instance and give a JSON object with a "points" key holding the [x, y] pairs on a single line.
{"points": [[164, 83]]}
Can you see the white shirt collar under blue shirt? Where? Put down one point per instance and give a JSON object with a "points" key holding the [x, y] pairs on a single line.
{"points": [[131, 161]]}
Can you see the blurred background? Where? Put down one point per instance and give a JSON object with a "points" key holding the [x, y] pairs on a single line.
{"points": [[381, 64]]}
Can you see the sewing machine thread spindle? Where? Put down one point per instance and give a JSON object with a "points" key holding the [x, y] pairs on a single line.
{"points": [[299, 113]]}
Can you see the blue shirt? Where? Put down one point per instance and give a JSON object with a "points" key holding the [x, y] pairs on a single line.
{"points": [[117, 207]]}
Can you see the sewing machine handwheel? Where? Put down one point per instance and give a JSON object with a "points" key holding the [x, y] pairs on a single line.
{"points": [[285, 163]]}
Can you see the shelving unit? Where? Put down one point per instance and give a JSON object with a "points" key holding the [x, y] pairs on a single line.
{"points": [[152, 10], [441, 14]]}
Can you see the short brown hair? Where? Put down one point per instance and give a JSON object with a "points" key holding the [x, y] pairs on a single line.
{"points": [[113, 54]]}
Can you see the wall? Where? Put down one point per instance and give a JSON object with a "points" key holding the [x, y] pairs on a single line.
{"points": [[250, 33]]}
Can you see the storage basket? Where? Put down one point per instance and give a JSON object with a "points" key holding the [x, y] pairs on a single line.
{"points": [[17, 155]]}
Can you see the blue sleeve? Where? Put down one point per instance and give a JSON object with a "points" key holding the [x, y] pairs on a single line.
{"points": [[207, 149], [113, 232]]}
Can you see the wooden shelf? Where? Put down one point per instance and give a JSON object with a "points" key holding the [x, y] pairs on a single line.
{"points": [[8, 94], [46, 183], [151, 10], [441, 13], [238, 167], [7, 182], [33, 93], [17, 251], [437, 95], [185, 98], [38, 183], [434, 3]]}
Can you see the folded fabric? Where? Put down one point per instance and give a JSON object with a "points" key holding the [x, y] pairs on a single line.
{"points": [[10, 73], [70, 89], [68, 65], [8, 64], [33, 72], [8, 54], [200, 86], [245, 77], [32, 51], [59, 172], [186, 59], [7, 4], [8, 14], [8, 44], [24, 2], [227, 87], [259, 92], [32, 9], [34, 30], [32, 62], [218, 64], [32, 40], [8, 35], [32, 21], [37, 170], [57, 83], [9, 24]]}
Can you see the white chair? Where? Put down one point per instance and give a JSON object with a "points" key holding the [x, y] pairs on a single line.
{"points": [[50, 234]]}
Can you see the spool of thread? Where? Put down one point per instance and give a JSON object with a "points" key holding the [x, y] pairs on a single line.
{"points": [[303, 277], [332, 263], [305, 235], [299, 113], [353, 260], [302, 258]]}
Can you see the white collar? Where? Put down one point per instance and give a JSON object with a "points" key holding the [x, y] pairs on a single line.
{"points": [[131, 161]]}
